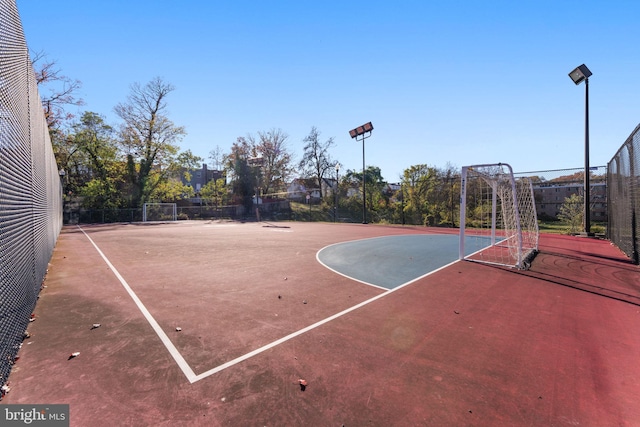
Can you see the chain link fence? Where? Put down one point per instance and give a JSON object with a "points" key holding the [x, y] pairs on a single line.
{"points": [[30, 189], [624, 196], [553, 191]]}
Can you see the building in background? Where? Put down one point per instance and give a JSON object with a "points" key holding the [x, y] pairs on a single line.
{"points": [[200, 178], [550, 196]]}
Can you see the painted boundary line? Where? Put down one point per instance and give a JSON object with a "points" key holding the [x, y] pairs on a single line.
{"points": [[313, 326], [186, 369], [349, 277], [182, 363]]}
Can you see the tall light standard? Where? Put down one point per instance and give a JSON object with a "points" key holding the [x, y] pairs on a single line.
{"points": [[362, 131], [335, 205], [579, 75]]}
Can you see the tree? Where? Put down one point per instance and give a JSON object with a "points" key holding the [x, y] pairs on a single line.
{"points": [[214, 192], [450, 194], [243, 177], [375, 197], [61, 91], [316, 160], [94, 138], [258, 164], [56, 93], [276, 160], [442, 195], [217, 158], [430, 196], [72, 161], [148, 137], [417, 181], [184, 163], [188, 160], [572, 212], [173, 188]]}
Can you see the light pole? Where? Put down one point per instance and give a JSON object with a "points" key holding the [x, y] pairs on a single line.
{"points": [[402, 201], [362, 131], [335, 204], [579, 75]]}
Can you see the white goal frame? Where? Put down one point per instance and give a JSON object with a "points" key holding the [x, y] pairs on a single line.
{"points": [[159, 212], [501, 226]]}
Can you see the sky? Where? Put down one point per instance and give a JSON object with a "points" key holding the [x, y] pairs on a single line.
{"points": [[444, 82]]}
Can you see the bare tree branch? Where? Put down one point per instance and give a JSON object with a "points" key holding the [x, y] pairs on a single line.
{"points": [[61, 90]]}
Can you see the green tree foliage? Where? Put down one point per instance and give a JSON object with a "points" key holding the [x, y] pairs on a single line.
{"points": [[430, 195], [172, 188], [143, 165], [149, 137], [418, 182], [377, 200], [446, 197], [215, 193], [93, 141], [572, 212], [73, 162], [142, 162], [184, 163], [186, 160]]}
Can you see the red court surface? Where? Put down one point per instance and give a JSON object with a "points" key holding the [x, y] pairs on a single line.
{"points": [[467, 345]]}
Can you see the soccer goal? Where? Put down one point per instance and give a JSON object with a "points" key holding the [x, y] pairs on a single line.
{"points": [[498, 221], [159, 212]]}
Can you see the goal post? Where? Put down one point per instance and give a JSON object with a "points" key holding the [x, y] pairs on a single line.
{"points": [[159, 212], [498, 220]]}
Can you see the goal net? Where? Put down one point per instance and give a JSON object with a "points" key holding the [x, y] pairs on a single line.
{"points": [[498, 221], [159, 212]]}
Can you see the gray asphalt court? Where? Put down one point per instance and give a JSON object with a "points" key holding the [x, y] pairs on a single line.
{"points": [[391, 261]]}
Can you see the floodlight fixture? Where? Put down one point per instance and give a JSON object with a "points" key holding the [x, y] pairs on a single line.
{"points": [[363, 132], [578, 75]]}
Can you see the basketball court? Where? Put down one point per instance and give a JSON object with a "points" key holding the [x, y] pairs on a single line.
{"points": [[216, 323]]}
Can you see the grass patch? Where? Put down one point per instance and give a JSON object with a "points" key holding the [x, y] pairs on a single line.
{"points": [[306, 212], [558, 227]]}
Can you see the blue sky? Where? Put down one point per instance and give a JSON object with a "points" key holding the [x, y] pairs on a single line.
{"points": [[459, 82]]}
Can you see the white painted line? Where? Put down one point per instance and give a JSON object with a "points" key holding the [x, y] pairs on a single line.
{"points": [[344, 275], [313, 326], [349, 277], [186, 369], [353, 278]]}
